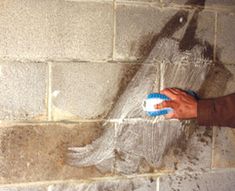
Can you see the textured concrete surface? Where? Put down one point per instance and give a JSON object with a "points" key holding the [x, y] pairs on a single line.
{"points": [[130, 184], [38, 152], [137, 184], [87, 90], [230, 86], [138, 26], [56, 29], [24, 188], [23, 91], [226, 37], [182, 68], [192, 152], [224, 156], [145, 147], [199, 182]]}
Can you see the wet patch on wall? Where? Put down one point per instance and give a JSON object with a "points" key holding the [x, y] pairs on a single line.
{"points": [[146, 146]]}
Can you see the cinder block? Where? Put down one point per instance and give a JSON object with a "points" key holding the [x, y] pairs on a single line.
{"points": [[223, 155], [94, 90], [84, 90], [182, 69], [23, 91], [223, 181], [85, 30], [55, 29], [226, 38], [31, 153], [191, 151], [140, 27], [141, 146]]}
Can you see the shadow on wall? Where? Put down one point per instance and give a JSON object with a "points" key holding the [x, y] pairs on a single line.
{"points": [[129, 147]]}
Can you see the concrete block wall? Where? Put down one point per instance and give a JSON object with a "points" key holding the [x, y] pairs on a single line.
{"points": [[66, 69]]}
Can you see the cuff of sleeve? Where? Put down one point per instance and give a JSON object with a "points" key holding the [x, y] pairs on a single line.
{"points": [[205, 112]]}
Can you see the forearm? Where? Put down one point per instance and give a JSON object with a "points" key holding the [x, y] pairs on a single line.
{"points": [[218, 111]]}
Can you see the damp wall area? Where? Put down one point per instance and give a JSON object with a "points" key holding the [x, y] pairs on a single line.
{"points": [[73, 74]]}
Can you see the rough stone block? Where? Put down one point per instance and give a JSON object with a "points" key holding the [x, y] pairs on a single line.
{"points": [[23, 91], [55, 29], [224, 140], [226, 37], [140, 27], [31, 153], [87, 90], [223, 181]]}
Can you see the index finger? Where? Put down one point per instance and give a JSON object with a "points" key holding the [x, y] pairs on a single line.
{"points": [[168, 93]]}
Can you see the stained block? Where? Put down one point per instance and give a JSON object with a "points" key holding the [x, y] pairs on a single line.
{"points": [[226, 37], [23, 91], [223, 181], [128, 184], [182, 69], [147, 146], [31, 153], [192, 151], [135, 184], [139, 29], [141, 146]]}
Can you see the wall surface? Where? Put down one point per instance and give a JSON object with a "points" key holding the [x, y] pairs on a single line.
{"points": [[73, 74]]}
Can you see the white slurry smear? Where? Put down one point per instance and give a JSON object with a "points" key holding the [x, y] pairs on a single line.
{"points": [[126, 145]]}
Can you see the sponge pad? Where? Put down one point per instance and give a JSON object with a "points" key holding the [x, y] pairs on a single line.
{"points": [[152, 100]]}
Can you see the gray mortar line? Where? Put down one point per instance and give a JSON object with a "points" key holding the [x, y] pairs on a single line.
{"points": [[114, 28], [215, 36], [127, 120], [213, 147], [214, 59], [100, 179], [49, 109]]}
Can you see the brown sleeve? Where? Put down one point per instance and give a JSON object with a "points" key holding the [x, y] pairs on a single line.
{"points": [[218, 111]]}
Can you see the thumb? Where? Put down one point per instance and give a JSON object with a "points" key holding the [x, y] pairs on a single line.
{"points": [[165, 104]]}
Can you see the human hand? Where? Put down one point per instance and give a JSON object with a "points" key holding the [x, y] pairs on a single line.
{"points": [[183, 104]]}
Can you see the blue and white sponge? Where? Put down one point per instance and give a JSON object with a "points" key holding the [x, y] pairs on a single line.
{"points": [[152, 100]]}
